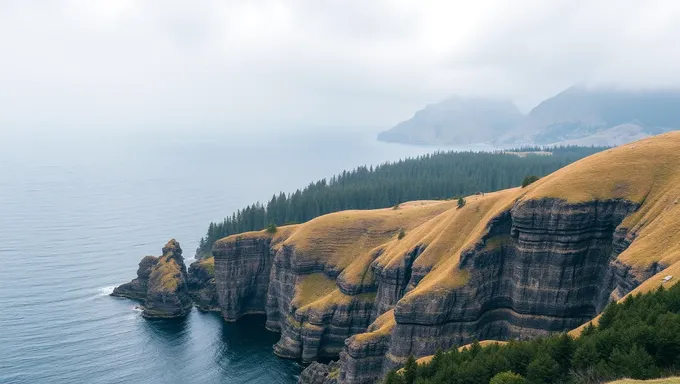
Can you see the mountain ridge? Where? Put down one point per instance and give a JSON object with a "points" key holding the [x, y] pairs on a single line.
{"points": [[577, 115]]}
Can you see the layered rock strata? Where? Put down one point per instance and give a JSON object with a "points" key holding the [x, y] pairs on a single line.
{"points": [[161, 285], [202, 286]]}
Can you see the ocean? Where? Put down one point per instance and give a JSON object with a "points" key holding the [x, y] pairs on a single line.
{"points": [[78, 210]]}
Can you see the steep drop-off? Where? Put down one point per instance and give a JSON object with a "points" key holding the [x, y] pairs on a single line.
{"points": [[512, 264], [161, 284]]}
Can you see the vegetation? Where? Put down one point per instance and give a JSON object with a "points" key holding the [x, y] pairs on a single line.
{"points": [[529, 180], [638, 338], [461, 202], [271, 228], [401, 234], [436, 176]]}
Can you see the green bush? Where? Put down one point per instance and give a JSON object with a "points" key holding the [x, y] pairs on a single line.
{"points": [[507, 377], [271, 228], [529, 180], [401, 235], [461, 202]]}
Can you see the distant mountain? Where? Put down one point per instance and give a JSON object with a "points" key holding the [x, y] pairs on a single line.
{"points": [[456, 120], [577, 115], [580, 115]]}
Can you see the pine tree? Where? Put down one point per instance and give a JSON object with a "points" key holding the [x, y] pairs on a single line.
{"points": [[410, 370]]}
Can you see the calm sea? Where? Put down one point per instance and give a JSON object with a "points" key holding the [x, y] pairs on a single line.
{"points": [[78, 211]]}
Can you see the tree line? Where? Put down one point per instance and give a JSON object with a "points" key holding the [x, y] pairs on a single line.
{"points": [[441, 175], [638, 338]]}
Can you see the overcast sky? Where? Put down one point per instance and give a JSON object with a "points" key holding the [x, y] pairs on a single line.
{"points": [[306, 62]]}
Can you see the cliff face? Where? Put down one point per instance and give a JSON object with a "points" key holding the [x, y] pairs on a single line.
{"points": [[242, 269], [160, 284], [136, 289], [544, 266], [512, 264], [202, 285]]}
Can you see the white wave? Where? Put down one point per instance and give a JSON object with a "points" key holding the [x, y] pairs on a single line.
{"points": [[106, 291]]}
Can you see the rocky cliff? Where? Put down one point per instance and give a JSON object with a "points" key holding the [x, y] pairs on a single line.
{"points": [[202, 286], [161, 284], [512, 264]]}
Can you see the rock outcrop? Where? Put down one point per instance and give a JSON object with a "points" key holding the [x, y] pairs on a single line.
{"points": [[161, 284], [136, 289], [202, 286], [321, 373]]}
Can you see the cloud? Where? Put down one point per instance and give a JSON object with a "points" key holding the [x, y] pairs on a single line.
{"points": [[130, 63]]}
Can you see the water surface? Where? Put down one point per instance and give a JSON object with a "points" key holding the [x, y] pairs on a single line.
{"points": [[77, 213]]}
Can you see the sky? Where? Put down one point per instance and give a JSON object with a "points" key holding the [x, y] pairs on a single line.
{"points": [[335, 63]]}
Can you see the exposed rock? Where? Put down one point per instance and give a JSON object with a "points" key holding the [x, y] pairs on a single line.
{"points": [[136, 289], [161, 284], [317, 373], [242, 269], [201, 283]]}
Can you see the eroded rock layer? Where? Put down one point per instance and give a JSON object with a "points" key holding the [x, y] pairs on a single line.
{"points": [[202, 286]]}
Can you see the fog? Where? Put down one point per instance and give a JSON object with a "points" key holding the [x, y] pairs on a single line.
{"points": [[277, 65]]}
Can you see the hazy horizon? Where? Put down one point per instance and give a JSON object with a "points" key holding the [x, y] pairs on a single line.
{"points": [[131, 65]]}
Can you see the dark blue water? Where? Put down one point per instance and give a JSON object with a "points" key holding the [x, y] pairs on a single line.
{"points": [[78, 211]]}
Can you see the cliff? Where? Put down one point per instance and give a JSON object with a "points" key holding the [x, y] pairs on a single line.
{"points": [[202, 286], [516, 263], [161, 284]]}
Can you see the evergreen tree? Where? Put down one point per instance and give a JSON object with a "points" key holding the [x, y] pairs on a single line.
{"points": [[543, 369], [410, 370]]}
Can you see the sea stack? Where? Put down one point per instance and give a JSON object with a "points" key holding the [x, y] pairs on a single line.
{"points": [[161, 284]]}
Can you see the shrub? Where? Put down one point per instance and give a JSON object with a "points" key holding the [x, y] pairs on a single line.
{"points": [[507, 377], [401, 235], [396, 206], [271, 228], [529, 180], [461, 202]]}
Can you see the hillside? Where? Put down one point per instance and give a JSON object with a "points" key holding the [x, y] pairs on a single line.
{"points": [[576, 116], [441, 175], [517, 263]]}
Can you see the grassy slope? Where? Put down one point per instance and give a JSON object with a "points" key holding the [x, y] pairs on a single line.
{"points": [[668, 380], [646, 172]]}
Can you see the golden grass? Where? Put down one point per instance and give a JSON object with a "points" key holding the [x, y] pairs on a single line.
{"points": [[382, 326], [281, 234], [165, 275], [311, 288], [208, 264], [339, 238], [668, 380]]}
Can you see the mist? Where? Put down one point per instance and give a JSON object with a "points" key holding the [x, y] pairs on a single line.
{"points": [[275, 65]]}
